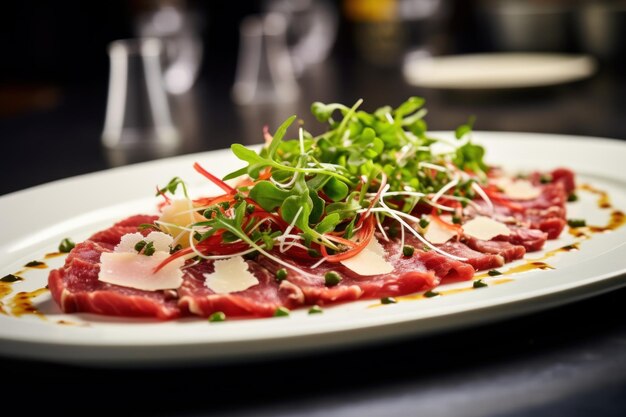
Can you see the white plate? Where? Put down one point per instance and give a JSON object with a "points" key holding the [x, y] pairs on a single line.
{"points": [[35, 220], [497, 70]]}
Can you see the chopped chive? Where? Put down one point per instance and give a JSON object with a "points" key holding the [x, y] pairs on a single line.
{"points": [[238, 197], [313, 253], [431, 294], [208, 213], [281, 312], [576, 222], [545, 179], [11, 278], [140, 245], [149, 249], [281, 274], [456, 219], [494, 273], [331, 278], [225, 205], [217, 316], [315, 310], [176, 248], [250, 208], [572, 197], [408, 250], [142, 226], [66, 245], [34, 264], [388, 300], [479, 283]]}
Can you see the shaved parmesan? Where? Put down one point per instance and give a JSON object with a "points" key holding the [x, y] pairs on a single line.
{"points": [[136, 271], [160, 240], [518, 189], [179, 213], [370, 261], [230, 275], [485, 228], [436, 233]]}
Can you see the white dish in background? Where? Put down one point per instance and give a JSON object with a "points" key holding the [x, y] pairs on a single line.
{"points": [[496, 70], [35, 220]]}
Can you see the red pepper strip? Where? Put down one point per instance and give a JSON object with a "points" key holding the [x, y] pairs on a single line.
{"points": [[170, 258], [227, 188], [497, 197], [367, 233], [167, 199], [363, 216], [209, 201], [277, 219], [341, 240]]}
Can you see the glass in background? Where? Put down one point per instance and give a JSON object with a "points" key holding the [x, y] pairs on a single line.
{"points": [[138, 124], [311, 29], [265, 72], [179, 29]]}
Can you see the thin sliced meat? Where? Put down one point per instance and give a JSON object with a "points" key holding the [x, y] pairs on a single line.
{"points": [[420, 272], [552, 226], [479, 261], [75, 288], [260, 300], [566, 177], [546, 212], [312, 287], [531, 239], [506, 250], [445, 268], [561, 175]]}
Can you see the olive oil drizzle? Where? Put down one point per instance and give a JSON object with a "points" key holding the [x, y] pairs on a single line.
{"points": [[604, 201], [617, 218], [442, 293], [36, 265], [6, 287], [22, 304]]}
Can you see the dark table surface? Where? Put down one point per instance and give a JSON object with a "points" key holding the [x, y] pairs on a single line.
{"points": [[567, 361]]}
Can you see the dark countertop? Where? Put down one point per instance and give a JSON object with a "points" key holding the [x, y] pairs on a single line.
{"points": [[567, 361]]}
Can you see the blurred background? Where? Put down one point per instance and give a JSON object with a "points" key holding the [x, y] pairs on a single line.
{"points": [[88, 86]]}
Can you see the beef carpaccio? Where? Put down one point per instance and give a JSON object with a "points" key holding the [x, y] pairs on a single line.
{"points": [[373, 208]]}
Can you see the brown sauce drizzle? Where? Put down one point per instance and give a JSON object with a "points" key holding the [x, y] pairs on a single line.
{"points": [[530, 265], [604, 201], [421, 296], [567, 248], [6, 287], [616, 220], [53, 255], [22, 304], [36, 265]]}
